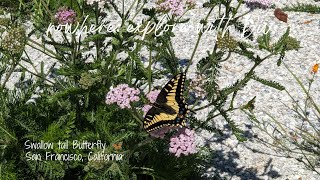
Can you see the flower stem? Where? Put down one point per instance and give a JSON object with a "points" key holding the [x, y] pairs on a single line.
{"points": [[198, 41], [149, 69]]}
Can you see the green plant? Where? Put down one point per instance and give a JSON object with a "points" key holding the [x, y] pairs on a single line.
{"points": [[301, 141], [309, 8], [65, 100]]}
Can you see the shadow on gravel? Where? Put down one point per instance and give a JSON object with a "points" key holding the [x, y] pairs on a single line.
{"points": [[225, 164]]}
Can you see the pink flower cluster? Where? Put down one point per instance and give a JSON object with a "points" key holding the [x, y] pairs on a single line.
{"points": [[122, 95], [183, 142], [152, 97], [65, 16], [175, 7], [252, 4], [146, 108]]}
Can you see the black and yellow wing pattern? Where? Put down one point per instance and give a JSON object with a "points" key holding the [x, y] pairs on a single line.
{"points": [[169, 108]]}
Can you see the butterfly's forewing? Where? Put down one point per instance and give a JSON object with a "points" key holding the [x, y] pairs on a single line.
{"points": [[117, 146], [168, 103], [172, 90]]}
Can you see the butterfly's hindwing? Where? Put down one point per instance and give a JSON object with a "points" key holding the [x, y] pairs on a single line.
{"points": [[157, 118], [169, 108]]}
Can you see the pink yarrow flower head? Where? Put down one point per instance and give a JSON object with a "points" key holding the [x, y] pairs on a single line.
{"points": [[152, 95], [183, 142], [146, 108], [174, 7], [65, 16], [256, 4], [123, 95]]}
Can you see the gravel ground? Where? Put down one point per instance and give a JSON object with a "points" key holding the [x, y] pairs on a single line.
{"points": [[252, 160]]}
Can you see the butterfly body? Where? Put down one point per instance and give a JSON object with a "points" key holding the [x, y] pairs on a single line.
{"points": [[169, 108]]}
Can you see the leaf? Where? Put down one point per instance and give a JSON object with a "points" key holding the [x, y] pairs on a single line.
{"points": [[212, 3], [244, 51], [302, 7], [235, 130], [272, 84], [250, 104], [292, 43], [149, 12], [307, 22], [252, 117], [264, 40], [247, 32], [279, 14], [281, 42], [93, 38], [204, 125], [282, 54]]}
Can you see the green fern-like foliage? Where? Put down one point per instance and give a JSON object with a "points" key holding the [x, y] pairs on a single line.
{"points": [[290, 43], [272, 84], [66, 101], [264, 40], [300, 7]]}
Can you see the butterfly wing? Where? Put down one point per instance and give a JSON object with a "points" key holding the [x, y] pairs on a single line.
{"points": [[173, 89], [157, 118], [117, 146], [169, 108]]}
